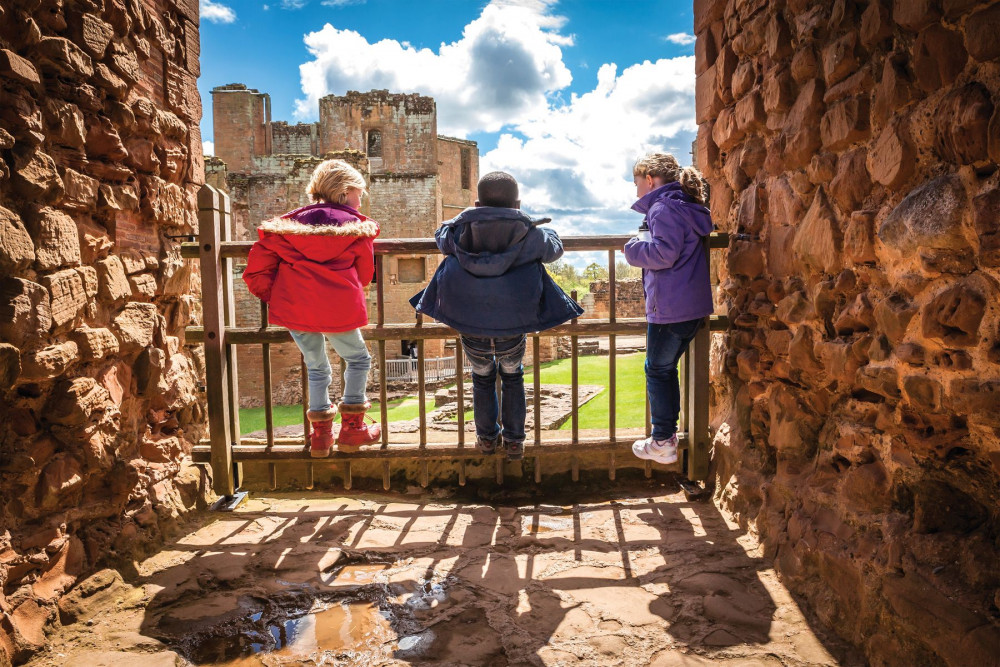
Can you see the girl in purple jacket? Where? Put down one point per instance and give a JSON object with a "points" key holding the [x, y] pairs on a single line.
{"points": [[675, 281]]}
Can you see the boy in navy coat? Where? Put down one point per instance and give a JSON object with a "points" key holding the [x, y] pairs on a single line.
{"points": [[493, 289]]}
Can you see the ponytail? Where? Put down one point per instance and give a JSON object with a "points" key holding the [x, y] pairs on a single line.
{"points": [[666, 167], [692, 184]]}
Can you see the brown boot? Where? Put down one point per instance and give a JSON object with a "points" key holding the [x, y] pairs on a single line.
{"points": [[321, 435], [354, 432]]}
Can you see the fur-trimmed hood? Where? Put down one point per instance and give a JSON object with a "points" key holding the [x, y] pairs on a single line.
{"points": [[365, 228]]}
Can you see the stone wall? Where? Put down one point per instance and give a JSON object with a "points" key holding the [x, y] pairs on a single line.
{"points": [[854, 147], [100, 157], [630, 301]]}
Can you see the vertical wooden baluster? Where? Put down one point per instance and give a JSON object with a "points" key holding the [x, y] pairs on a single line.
{"points": [[612, 348], [272, 474], [611, 466], [382, 381], [305, 403], [421, 393], [699, 443], [424, 474], [310, 476], [498, 462], [536, 356], [265, 354], [575, 382], [460, 396], [348, 482], [385, 475]]}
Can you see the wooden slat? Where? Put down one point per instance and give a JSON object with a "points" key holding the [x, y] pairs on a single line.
{"points": [[383, 394], [426, 246], [697, 405], [216, 359]]}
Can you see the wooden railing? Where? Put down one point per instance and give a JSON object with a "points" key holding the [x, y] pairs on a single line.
{"points": [[226, 449]]}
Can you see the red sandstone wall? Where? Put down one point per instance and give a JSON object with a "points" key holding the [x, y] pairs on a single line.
{"points": [[856, 146], [100, 157]]}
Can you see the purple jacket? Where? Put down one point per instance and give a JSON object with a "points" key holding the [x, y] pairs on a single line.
{"points": [[676, 279]]}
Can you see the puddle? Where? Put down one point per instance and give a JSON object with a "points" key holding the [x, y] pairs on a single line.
{"points": [[354, 575], [345, 633]]}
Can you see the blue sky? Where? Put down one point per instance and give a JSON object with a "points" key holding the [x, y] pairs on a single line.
{"points": [[565, 95]]}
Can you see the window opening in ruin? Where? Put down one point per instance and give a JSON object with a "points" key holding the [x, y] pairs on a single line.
{"points": [[374, 143], [466, 170], [411, 270]]}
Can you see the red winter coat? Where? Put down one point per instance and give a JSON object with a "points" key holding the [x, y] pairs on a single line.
{"points": [[311, 265]]}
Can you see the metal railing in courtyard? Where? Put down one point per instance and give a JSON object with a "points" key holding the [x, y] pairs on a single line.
{"points": [[435, 369], [226, 449]]}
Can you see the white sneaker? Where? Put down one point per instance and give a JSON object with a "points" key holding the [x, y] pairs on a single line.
{"points": [[661, 451]]}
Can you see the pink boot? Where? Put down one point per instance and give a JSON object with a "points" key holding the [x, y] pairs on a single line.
{"points": [[321, 435], [354, 432]]}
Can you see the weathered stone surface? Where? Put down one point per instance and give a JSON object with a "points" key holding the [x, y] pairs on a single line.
{"points": [[981, 30], [95, 343], [993, 140], [35, 176], [953, 316], [10, 365], [113, 283], [24, 310], [922, 392], [893, 315], [16, 249], [57, 241], [876, 24], [103, 141], [802, 125], [143, 286], [851, 183], [74, 402], [81, 191], [938, 57], [986, 220], [95, 35], [49, 362], [135, 325], [929, 217], [16, 68], [915, 15], [749, 112], [817, 242], [891, 160], [845, 123], [859, 238], [64, 58], [68, 296], [66, 124], [962, 119], [793, 427], [840, 59]]}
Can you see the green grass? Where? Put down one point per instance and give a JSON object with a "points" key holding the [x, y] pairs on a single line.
{"points": [[630, 403]]}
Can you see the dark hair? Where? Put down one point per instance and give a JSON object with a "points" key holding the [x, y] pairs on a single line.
{"points": [[498, 188]]}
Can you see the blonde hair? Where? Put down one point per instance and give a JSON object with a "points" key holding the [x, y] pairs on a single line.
{"points": [[332, 179], [665, 166]]}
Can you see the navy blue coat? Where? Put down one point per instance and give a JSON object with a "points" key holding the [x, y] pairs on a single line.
{"points": [[492, 282]]}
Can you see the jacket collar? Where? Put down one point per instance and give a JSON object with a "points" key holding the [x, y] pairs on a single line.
{"points": [[672, 189], [289, 227], [324, 213], [482, 213]]}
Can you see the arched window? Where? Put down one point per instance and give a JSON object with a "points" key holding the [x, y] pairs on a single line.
{"points": [[374, 143]]}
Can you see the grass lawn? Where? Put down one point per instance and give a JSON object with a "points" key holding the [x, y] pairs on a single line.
{"points": [[630, 400]]}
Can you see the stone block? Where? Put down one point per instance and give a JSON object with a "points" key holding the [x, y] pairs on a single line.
{"points": [[707, 12], [779, 90], [95, 35], [744, 78], [74, 402], [705, 51], [110, 81], [706, 96], [60, 480], [881, 380], [95, 344], [973, 396], [24, 311], [939, 56], [911, 353], [143, 286], [65, 124], [893, 315], [778, 38], [88, 275], [961, 123], [818, 241], [793, 427], [746, 258], [725, 67], [929, 217], [735, 176], [779, 250], [856, 317], [802, 125], [860, 83], [81, 191], [49, 362], [132, 261], [805, 65], [753, 156], [954, 315], [892, 160], [135, 326], [10, 365], [859, 238], [57, 240], [845, 123], [986, 221], [993, 142], [34, 176], [922, 393], [68, 297], [707, 153], [793, 309], [750, 216], [851, 183], [112, 281], [103, 141], [749, 112], [915, 15], [61, 57], [876, 24], [15, 68], [981, 34], [840, 58], [725, 132], [17, 252]]}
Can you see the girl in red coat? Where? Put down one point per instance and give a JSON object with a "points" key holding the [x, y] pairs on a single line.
{"points": [[311, 266]]}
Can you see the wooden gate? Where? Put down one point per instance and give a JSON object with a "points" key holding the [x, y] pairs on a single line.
{"points": [[226, 449]]}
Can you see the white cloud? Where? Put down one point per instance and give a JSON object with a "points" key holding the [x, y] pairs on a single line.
{"points": [[216, 12], [498, 73], [341, 3], [208, 148], [682, 38], [573, 158], [293, 4]]}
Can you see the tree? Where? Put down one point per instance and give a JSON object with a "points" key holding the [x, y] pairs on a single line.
{"points": [[624, 270], [595, 271]]}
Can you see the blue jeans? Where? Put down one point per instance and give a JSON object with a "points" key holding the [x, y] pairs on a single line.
{"points": [[351, 347], [487, 356], [665, 343]]}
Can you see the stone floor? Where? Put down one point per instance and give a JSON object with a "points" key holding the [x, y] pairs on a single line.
{"points": [[647, 578]]}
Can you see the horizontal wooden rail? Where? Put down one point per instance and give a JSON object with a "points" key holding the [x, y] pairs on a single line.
{"points": [[291, 449], [231, 249], [627, 326]]}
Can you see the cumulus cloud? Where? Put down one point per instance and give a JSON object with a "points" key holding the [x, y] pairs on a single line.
{"points": [[341, 3], [293, 4], [573, 158], [576, 159], [500, 72], [216, 12], [208, 148], [682, 38]]}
